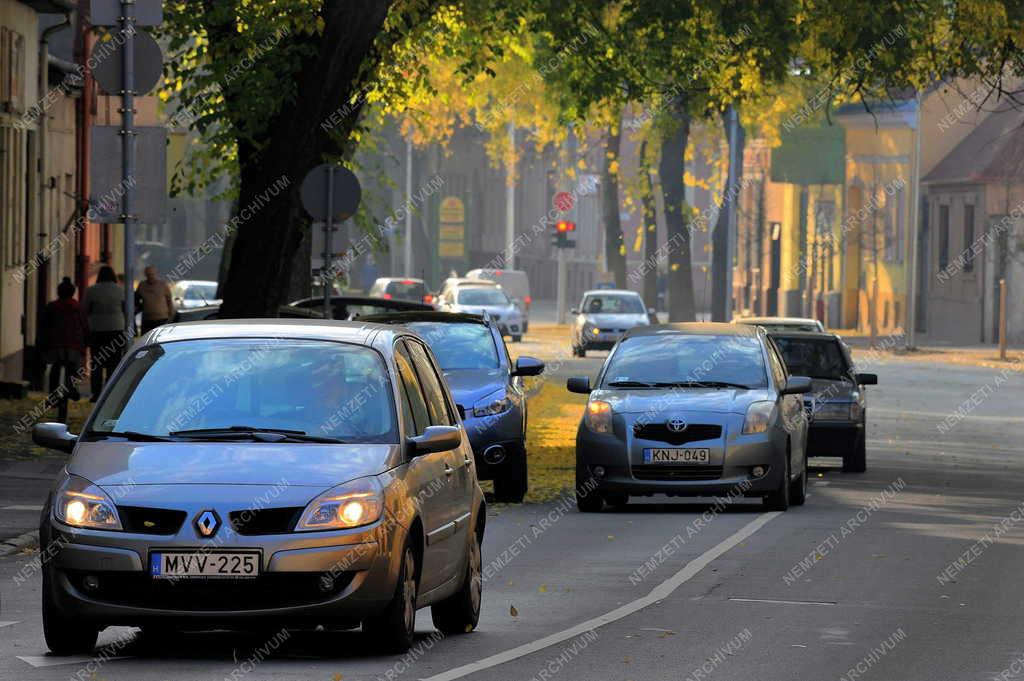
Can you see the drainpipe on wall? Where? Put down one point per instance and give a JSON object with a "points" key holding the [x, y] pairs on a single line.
{"points": [[83, 126]]}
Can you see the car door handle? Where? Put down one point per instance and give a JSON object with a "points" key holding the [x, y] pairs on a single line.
{"points": [[448, 470], [465, 460]]}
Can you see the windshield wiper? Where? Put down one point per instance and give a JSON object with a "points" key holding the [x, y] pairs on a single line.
{"points": [[631, 384], [260, 434], [132, 435], [701, 384]]}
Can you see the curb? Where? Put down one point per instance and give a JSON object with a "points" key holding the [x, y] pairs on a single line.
{"points": [[27, 541]]}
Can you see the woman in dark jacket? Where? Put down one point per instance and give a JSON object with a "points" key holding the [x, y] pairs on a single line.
{"points": [[104, 311], [65, 333]]}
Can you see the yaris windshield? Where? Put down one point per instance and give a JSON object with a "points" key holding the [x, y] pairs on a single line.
{"points": [[317, 388], [671, 360]]}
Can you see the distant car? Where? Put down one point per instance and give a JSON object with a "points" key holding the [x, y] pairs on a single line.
{"points": [[451, 283], [476, 297], [783, 324], [249, 473], [487, 386], [694, 409], [514, 283], [602, 318], [355, 307], [401, 288], [188, 293], [837, 403], [199, 314]]}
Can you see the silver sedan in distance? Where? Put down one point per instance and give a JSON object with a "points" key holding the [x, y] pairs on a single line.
{"points": [[602, 318], [236, 473], [692, 410]]}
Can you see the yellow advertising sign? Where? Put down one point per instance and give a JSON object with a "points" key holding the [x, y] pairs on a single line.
{"points": [[452, 209]]}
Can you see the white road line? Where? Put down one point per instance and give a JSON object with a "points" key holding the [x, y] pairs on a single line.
{"points": [[8, 624], [783, 602], [24, 507], [658, 593]]}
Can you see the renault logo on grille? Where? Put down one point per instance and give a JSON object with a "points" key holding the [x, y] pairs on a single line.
{"points": [[207, 523], [676, 424]]}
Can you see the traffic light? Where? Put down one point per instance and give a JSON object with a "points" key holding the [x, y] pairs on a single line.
{"points": [[561, 236]]}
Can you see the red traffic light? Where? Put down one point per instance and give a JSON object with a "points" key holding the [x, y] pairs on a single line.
{"points": [[565, 226]]}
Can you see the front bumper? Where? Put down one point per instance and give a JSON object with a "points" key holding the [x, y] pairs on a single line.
{"points": [[317, 577], [833, 438], [729, 472], [514, 327], [503, 430]]}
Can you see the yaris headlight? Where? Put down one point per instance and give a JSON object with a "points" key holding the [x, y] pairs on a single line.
{"points": [[598, 416], [353, 504], [759, 416], [80, 503]]}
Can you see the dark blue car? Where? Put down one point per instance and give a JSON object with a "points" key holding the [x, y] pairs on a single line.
{"points": [[487, 387]]}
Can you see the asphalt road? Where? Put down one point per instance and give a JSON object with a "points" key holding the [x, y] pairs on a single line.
{"points": [[863, 582]]}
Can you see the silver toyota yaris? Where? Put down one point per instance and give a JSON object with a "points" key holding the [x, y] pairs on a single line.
{"points": [[304, 472]]}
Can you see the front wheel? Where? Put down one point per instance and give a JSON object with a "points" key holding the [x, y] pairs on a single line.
{"points": [[460, 612], [393, 628], [778, 500], [857, 460], [65, 635], [510, 484], [798, 490]]}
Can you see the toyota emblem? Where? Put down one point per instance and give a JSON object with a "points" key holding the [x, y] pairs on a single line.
{"points": [[676, 424], [207, 523]]}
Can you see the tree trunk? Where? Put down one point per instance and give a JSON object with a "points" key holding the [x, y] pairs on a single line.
{"points": [[721, 270], [677, 218], [650, 227], [271, 223], [614, 245]]}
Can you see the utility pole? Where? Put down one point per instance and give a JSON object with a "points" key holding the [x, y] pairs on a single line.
{"points": [[1002, 319], [510, 203], [915, 207], [128, 158], [562, 280], [735, 172], [407, 246]]}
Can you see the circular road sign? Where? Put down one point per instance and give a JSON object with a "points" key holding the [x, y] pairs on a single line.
{"points": [[342, 188], [107, 60], [564, 201]]}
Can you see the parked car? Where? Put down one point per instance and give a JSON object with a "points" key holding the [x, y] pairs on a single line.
{"points": [[401, 288], [783, 324], [516, 285], [209, 312], [330, 481], [694, 409], [451, 283], [188, 293], [837, 404], [602, 318], [487, 386], [485, 299]]}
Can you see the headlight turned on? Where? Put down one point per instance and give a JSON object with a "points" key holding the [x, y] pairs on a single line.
{"points": [[352, 504], [599, 416], [759, 416], [80, 503]]}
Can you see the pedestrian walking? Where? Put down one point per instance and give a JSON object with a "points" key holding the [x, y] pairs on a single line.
{"points": [[66, 330], [104, 312], [153, 297]]}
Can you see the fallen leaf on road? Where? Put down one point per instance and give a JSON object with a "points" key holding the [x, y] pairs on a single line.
{"points": [[543, 588], [512, 611]]}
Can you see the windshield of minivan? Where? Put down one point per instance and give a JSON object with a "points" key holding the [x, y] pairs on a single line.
{"points": [[459, 346], [320, 388], [677, 359], [482, 296], [612, 304], [406, 289]]}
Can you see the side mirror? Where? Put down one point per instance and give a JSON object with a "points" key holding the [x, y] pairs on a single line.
{"points": [[578, 384], [866, 379], [574, 311], [435, 439], [54, 436], [528, 366], [796, 385]]}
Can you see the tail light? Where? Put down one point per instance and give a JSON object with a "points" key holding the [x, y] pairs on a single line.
{"points": [[528, 300], [386, 296], [428, 299]]}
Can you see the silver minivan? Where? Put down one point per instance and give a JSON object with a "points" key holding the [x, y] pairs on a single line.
{"points": [[516, 285], [234, 472]]}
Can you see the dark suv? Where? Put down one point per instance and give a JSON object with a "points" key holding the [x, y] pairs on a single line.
{"points": [[486, 385]]}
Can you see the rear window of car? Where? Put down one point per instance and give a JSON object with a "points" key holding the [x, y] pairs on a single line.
{"points": [[459, 346], [515, 283], [679, 358], [318, 387], [406, 290], [481, 296], [814, 357]]}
